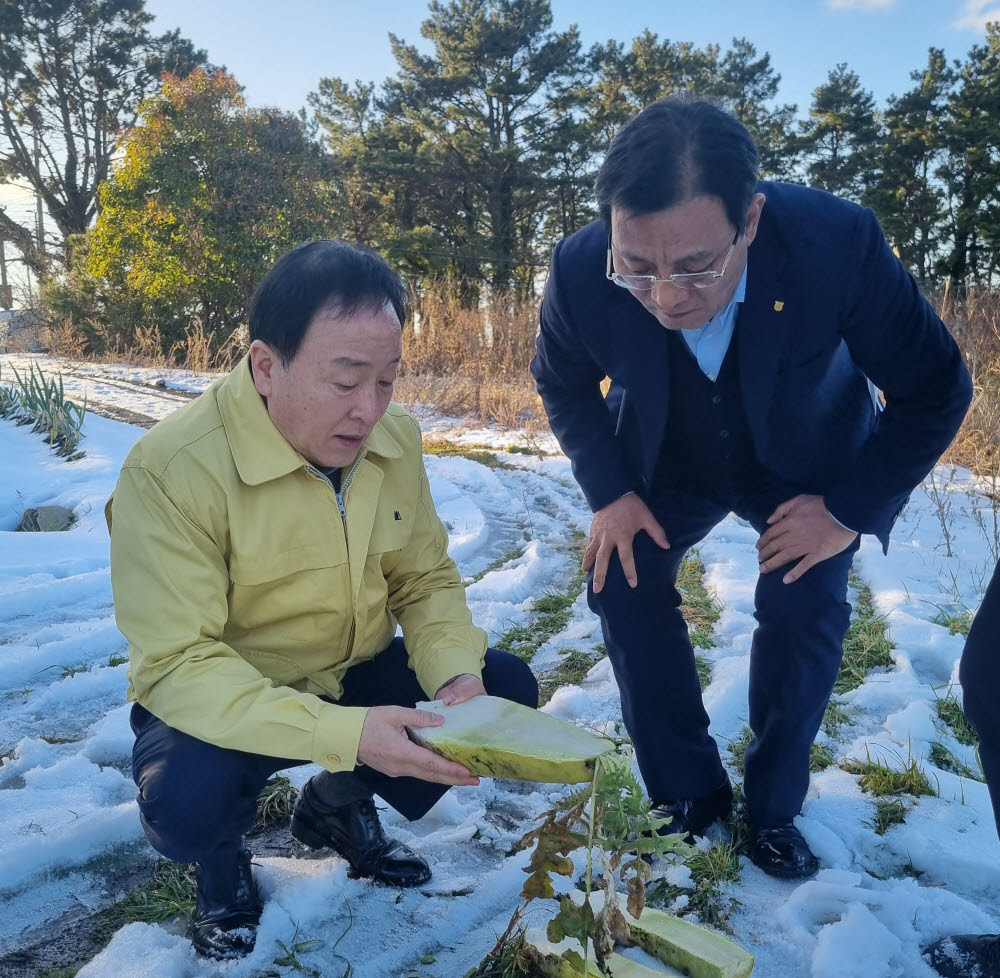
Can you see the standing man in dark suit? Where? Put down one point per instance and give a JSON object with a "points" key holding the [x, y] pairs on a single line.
{"points": [[743, 379], [978, 955]]}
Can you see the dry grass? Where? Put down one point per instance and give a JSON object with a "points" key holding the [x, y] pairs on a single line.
{"points": [[975, 324], [198, 350], [472, 362]]}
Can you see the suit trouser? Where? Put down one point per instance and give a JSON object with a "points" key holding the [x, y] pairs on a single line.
{"points": [[197, 800], [794, 658], [979, 673]]}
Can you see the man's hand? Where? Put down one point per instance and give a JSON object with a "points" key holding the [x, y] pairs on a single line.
{"points": [[385, 747], [801, 527], [613, 528], [460, 689]]}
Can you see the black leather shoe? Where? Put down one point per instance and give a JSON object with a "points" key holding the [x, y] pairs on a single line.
{"points": [[354, 831], [693, 817], [227, 909], [966, 956], [781, 851]]}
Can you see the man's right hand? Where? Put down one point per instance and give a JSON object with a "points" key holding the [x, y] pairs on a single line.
{"points": [[385, 747], [613, 528]]}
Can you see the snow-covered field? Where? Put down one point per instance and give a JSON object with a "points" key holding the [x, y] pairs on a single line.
{"points": [[67, 810]]}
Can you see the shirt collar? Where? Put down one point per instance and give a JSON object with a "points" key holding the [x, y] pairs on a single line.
{"points": [[260, 451]]}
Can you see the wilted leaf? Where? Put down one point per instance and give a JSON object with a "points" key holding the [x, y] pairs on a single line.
{"points": [[636, 896], [537, 885]]}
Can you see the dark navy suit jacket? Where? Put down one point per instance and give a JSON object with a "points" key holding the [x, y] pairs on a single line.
{"points": [[828, 305]]}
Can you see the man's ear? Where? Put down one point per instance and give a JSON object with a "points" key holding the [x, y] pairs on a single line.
{"points": [[753, 217], [264, 362]]}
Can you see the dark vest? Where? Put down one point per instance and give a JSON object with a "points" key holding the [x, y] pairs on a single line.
{"points": [[707, 445]]}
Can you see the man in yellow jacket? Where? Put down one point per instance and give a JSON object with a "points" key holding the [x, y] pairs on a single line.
{"points": [[267, 540]]}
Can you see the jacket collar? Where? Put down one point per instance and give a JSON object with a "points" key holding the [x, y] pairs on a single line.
{"points": [[260, 451]]}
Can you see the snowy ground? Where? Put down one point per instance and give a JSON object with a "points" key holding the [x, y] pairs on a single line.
{"points": [[67, 810]]}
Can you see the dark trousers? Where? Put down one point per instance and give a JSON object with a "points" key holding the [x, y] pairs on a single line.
{"points": [[795, 655], [979, 673], [197, 800]]}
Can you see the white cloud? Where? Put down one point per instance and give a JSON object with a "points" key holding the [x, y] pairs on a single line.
{"points": [[976, 13], [862, 4]]}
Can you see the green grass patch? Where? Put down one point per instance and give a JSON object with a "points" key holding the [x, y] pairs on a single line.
{"points": [[550, 613], [820, 758], [951, 713], [711, 870], [738, 749], [117, 659], [571, 671], [699, 607], [483, 454], [834, 718], [958, 622], [879, 778], [889, 812], [944, 759], [170, 893], [275, 802], [496, 565], [866, 645], [704, 666]]}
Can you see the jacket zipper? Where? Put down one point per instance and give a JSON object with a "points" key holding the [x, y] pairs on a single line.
{"points": [[343, 518]]}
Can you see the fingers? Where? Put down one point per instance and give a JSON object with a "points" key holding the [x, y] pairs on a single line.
{"points": [[601, 569], [768, 547], [656, 532], [589, 554], [810, 560], [405, 717], [418, 762], [783, 510], [785, 555], [628, 563]]}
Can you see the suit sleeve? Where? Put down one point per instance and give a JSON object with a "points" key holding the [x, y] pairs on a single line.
{"points": [[895, 337], [569, 383], [170, 584]]}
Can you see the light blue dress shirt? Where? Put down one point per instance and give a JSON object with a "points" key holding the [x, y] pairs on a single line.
{"points": [[709, 343]]}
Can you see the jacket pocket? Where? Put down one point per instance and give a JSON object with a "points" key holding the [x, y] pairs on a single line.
{"points": [[280, 669], [291, 598], [263, 568]]}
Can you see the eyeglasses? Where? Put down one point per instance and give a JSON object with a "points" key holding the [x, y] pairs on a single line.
{"points": [[682, 280]]}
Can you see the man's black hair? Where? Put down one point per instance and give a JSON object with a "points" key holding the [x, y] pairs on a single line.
{"points": [[675, 149], [318, 276]]}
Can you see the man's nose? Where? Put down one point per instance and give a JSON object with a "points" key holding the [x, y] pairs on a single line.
{"points": [[668, 296], [367, 407]]}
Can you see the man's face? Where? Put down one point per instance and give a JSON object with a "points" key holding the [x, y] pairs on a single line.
{"points": [[337, 386], [693, 236]]}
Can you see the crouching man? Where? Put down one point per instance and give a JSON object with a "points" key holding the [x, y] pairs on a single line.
{"points": [[266, 540]]}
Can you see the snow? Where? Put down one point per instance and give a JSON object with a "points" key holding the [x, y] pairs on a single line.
{"points": [[67, 809]]}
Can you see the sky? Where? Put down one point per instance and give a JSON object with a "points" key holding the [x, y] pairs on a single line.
{"points": [[280, 51]]}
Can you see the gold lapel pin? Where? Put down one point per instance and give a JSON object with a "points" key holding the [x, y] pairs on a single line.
{"points": [[778, 305]]}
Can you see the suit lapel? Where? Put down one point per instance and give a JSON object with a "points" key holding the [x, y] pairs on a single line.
{"points": [[647, 381], [763, 326]]}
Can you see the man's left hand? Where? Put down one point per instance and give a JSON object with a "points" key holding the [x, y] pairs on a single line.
{"points": [[801, 527], [460, 688]]}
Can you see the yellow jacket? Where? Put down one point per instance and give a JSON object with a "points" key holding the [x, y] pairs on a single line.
{"points": [[246, 593]]}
